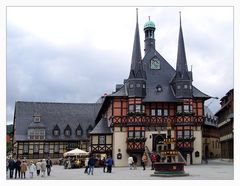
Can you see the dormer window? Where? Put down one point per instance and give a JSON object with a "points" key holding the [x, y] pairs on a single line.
{"points": [[56, 131], [36, 134], [36, 118], [67, 131], [131, 86], [79, 131], [138, 85], [185, 86], [178, 87]]}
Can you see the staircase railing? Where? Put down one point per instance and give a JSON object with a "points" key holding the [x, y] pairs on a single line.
{"points": [[182, 159], [148, 154]]}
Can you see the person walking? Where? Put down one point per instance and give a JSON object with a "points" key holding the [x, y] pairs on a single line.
{"points": [[18, 168], [23, 169], [130, 162], [11, 166], [49, 166], [153, 159], [104, 164], [144, 160], [135, 162], [109, 162], [91, 164], [32, 169], [38, 167], [86, 165], [43, 167]]}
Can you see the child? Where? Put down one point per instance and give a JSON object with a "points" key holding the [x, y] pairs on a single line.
{"points": [[32, 169]]}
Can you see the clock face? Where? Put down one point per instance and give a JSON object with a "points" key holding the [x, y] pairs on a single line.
{"points": [[155, 63]]}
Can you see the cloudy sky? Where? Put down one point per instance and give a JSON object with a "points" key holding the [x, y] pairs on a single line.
{"points": [[76, 54]]}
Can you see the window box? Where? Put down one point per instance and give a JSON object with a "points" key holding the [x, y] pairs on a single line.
{"points": [[190, 139]]}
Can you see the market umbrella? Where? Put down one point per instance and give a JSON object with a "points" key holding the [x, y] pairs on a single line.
{"points": [[76, 152]]}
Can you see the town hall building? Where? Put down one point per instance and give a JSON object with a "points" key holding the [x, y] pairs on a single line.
{"points": [[155, 104]]}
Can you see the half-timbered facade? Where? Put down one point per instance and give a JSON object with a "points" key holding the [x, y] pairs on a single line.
{"points": [[44, 129], [225, 125], [155, 104], [211, 144]]}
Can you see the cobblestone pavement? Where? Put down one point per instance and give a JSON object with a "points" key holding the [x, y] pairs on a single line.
{"points": [[214, 170]]}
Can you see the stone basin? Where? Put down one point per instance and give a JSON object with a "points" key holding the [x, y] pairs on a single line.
{"points": [[169, 169]]}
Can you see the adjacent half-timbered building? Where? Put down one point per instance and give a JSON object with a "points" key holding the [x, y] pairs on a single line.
{"points": [[44, 129], [154, 104], [211, 144], [225, 124]]}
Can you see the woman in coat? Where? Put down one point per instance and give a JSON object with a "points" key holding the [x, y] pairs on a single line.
{"points": [[23, 169], [43, 167]]}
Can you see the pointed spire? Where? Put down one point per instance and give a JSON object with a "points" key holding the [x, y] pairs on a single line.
{"points": [[182, 68], [136, 53]]}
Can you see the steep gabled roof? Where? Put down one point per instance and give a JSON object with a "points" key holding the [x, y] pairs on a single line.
{"points": [[156, 78], [182, 68], [55, 114], [102, 127], [136, 70], [198, 94]]}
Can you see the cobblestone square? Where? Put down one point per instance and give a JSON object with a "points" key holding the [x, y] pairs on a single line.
{"points": [[214, 170]]}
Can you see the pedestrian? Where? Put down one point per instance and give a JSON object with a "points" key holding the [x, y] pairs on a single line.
{"points": [[91, 164], [135, 162], [43, 167], [18, 168], [23, 169], [69, 166], [86, 165], [49, 166], [104, 164], [158, 157], [130, 162], [7, 160], [11, 166], [38, 167], [32, 169], [144, 160], [109, 162], [153, 159]]}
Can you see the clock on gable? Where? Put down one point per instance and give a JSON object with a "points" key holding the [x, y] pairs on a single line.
{"points": [[155, 64]]}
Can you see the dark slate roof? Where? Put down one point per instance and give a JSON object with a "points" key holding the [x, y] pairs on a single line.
{"points": [[182, 68], [102, 127], [160, 77], [136, 70], [52, 114], [121, 92], [198, 94]]}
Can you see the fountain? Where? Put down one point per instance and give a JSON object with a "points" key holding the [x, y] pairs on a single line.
{"points": [[172, 164]]}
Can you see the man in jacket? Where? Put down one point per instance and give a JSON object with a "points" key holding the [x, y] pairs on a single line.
{"points": [[11, 166], [17, 168], [49, 165], [91, 164]]}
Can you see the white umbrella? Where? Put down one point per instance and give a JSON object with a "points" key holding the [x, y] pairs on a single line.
{"points": [[76, 152]]}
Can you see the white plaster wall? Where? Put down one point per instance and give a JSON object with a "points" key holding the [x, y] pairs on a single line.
{"points": [[148, 142], [119, 142], [197, 147]]}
